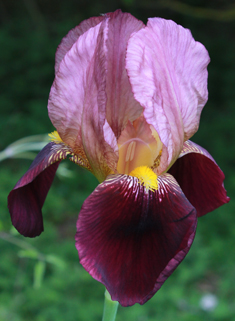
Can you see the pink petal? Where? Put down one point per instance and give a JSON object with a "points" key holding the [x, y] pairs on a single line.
{"points": [[132, 240], [110, 137], [77, 100], [200, 178], [67, 95], [100, 154], [167, 70], [73, 35], [26, 199], [121, 105]]}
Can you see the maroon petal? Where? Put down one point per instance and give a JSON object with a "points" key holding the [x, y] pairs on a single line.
{"points": [[25, 201], [132, 240], [200, 178]]}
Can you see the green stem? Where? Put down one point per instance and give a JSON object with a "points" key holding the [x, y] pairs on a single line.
{"points": [[110, 308]]}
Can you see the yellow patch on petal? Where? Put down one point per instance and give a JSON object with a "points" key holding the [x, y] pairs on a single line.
{"points": [[55, 137], [77, 156], [146, 177]]}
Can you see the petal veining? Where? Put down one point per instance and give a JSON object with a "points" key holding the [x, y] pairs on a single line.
{"points": [[73, 35], [77, 102], [121, 105], [167, 70], [67, 95], [131, 239], [101, 155]]}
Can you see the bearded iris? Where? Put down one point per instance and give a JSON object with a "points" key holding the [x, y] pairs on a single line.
{"points": [[125, 101]]}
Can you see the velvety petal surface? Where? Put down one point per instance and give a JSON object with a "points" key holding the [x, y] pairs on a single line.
{"points": [[131, 239], [121, 105], [200, 178], [25, 201], [167, 70]]}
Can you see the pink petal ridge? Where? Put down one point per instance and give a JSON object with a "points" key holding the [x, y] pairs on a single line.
{"points": [[72, 36], [121, 105]]}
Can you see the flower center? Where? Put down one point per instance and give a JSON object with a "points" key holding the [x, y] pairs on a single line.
{"points": [[146, 177], [134, 153], [138, 145]]}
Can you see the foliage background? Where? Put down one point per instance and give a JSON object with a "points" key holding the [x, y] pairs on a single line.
{"points": [[41, 279]]}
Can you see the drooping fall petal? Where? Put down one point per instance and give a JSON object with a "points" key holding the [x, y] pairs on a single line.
{"points": [[200, 178], [25, 201], [131, 239], [167, 70]]}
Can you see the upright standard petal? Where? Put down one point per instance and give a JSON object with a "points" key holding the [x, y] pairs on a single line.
{"points": [[131, 239], [121, 105], [101, 155], [67, 95], [25, 201], [73, 35], [200, 178], [167, 70], [77, 102]]}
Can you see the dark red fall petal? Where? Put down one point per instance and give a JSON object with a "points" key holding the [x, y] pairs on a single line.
{"points": [[200, 178], [25, 201], [132, 240]]}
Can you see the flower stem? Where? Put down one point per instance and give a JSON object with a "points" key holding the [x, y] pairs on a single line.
{"points": [[110, 308]]}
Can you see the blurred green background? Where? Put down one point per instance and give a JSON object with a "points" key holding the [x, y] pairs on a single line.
{"points": [[41, 279]]}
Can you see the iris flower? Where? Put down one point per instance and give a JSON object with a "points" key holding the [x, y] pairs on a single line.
{"points": [[125, 101]]}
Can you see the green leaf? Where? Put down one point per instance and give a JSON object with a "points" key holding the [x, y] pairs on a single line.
{"points": [[32, 254], [39, 270], [53, 259]]}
